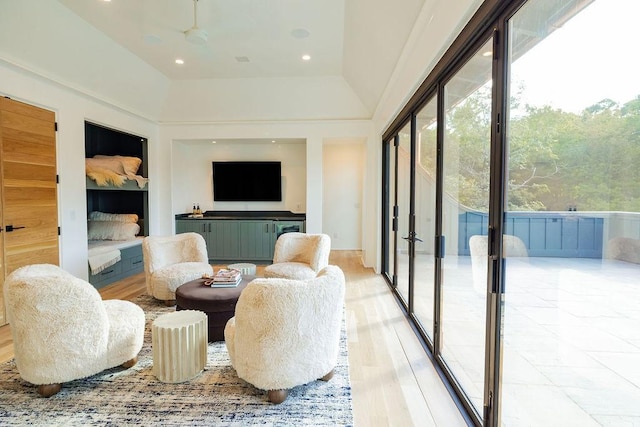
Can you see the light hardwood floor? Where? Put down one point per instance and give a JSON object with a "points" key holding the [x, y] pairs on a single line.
{"points": [[393, 380]]}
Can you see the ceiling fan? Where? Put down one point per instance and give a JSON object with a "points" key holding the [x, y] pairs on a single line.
{"points": [[194, 34]]}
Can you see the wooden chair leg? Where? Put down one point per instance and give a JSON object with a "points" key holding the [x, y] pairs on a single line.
{"points": [[130, 363], [48, 390], [170, 302], [278, 396], [328, 376]]}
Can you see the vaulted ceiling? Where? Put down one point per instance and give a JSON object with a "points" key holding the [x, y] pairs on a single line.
{"points": [[359, 40], [244, 38], [365, 56]]}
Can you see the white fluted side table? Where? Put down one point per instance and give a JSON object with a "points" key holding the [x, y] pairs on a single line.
{"points": [[246, 268], [179, 345]]}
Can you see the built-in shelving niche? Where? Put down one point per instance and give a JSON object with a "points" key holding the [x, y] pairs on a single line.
{"points": [[129, 198]]}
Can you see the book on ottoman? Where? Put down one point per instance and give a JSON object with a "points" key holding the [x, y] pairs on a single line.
{"points": [[225, 278]]}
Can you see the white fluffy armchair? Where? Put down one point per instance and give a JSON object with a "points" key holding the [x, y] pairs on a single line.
{"points": [[170, 261], [286, 332], [63, 330], [512, 246], [299, 256]]}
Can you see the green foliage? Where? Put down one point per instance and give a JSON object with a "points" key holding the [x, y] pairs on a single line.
{"points": [[466, 150], [556, 159]]}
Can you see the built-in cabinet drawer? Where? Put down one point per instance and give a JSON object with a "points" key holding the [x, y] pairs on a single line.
{"points": [[131, 262], [107, 275], [241, 239], [131, 259]]}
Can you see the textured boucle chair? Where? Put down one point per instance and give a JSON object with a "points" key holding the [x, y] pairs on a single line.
{"points": [[512, 247], [170, 261], [286, 332], [63, 330], [299, 256], [624, 249]]}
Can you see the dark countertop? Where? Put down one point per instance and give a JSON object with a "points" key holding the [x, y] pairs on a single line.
{"points": [[275, 215]]}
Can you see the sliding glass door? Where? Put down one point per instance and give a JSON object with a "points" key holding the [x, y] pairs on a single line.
{"points": [[425, 212], [515, 213], [390, 220], [572, 284], [466, 148], [410, 201], [404, 260], [398, 205]]}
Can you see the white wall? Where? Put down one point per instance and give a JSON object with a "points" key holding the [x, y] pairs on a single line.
{"points": [[299, 98], [177, 156], [170, 158], [436, 27], [377, 32], [343, 162], [193, 181], [72, 109]]}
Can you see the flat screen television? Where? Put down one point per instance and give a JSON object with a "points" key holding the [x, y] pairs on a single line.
{"points": [[257, 181]]}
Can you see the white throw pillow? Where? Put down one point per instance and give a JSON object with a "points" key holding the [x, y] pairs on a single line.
{"points": [[112, 230], [104, 216]]}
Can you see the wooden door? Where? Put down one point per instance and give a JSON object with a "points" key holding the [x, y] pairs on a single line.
{"points": [[29, 189]]}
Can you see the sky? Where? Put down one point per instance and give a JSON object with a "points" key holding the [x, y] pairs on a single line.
{"points": [[592, 57]]}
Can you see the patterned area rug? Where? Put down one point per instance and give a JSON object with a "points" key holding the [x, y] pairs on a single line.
{"points": [[134, 396]]}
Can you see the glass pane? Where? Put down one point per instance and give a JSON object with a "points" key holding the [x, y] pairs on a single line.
{"points": [[571, 352], [391, 236], [404, 173], [465, 209], [425, 214]]}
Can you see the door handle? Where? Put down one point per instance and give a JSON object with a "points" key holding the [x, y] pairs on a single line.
{"points": [[10, 228], [412, 239]]}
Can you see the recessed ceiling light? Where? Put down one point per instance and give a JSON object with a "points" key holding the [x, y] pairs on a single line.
{"points": [[487, 53], [273, 141], [179, 61], [306, 57]]}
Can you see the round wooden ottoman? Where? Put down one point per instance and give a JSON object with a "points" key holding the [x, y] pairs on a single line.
{"points": [[179, 345], [219, 304]]}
